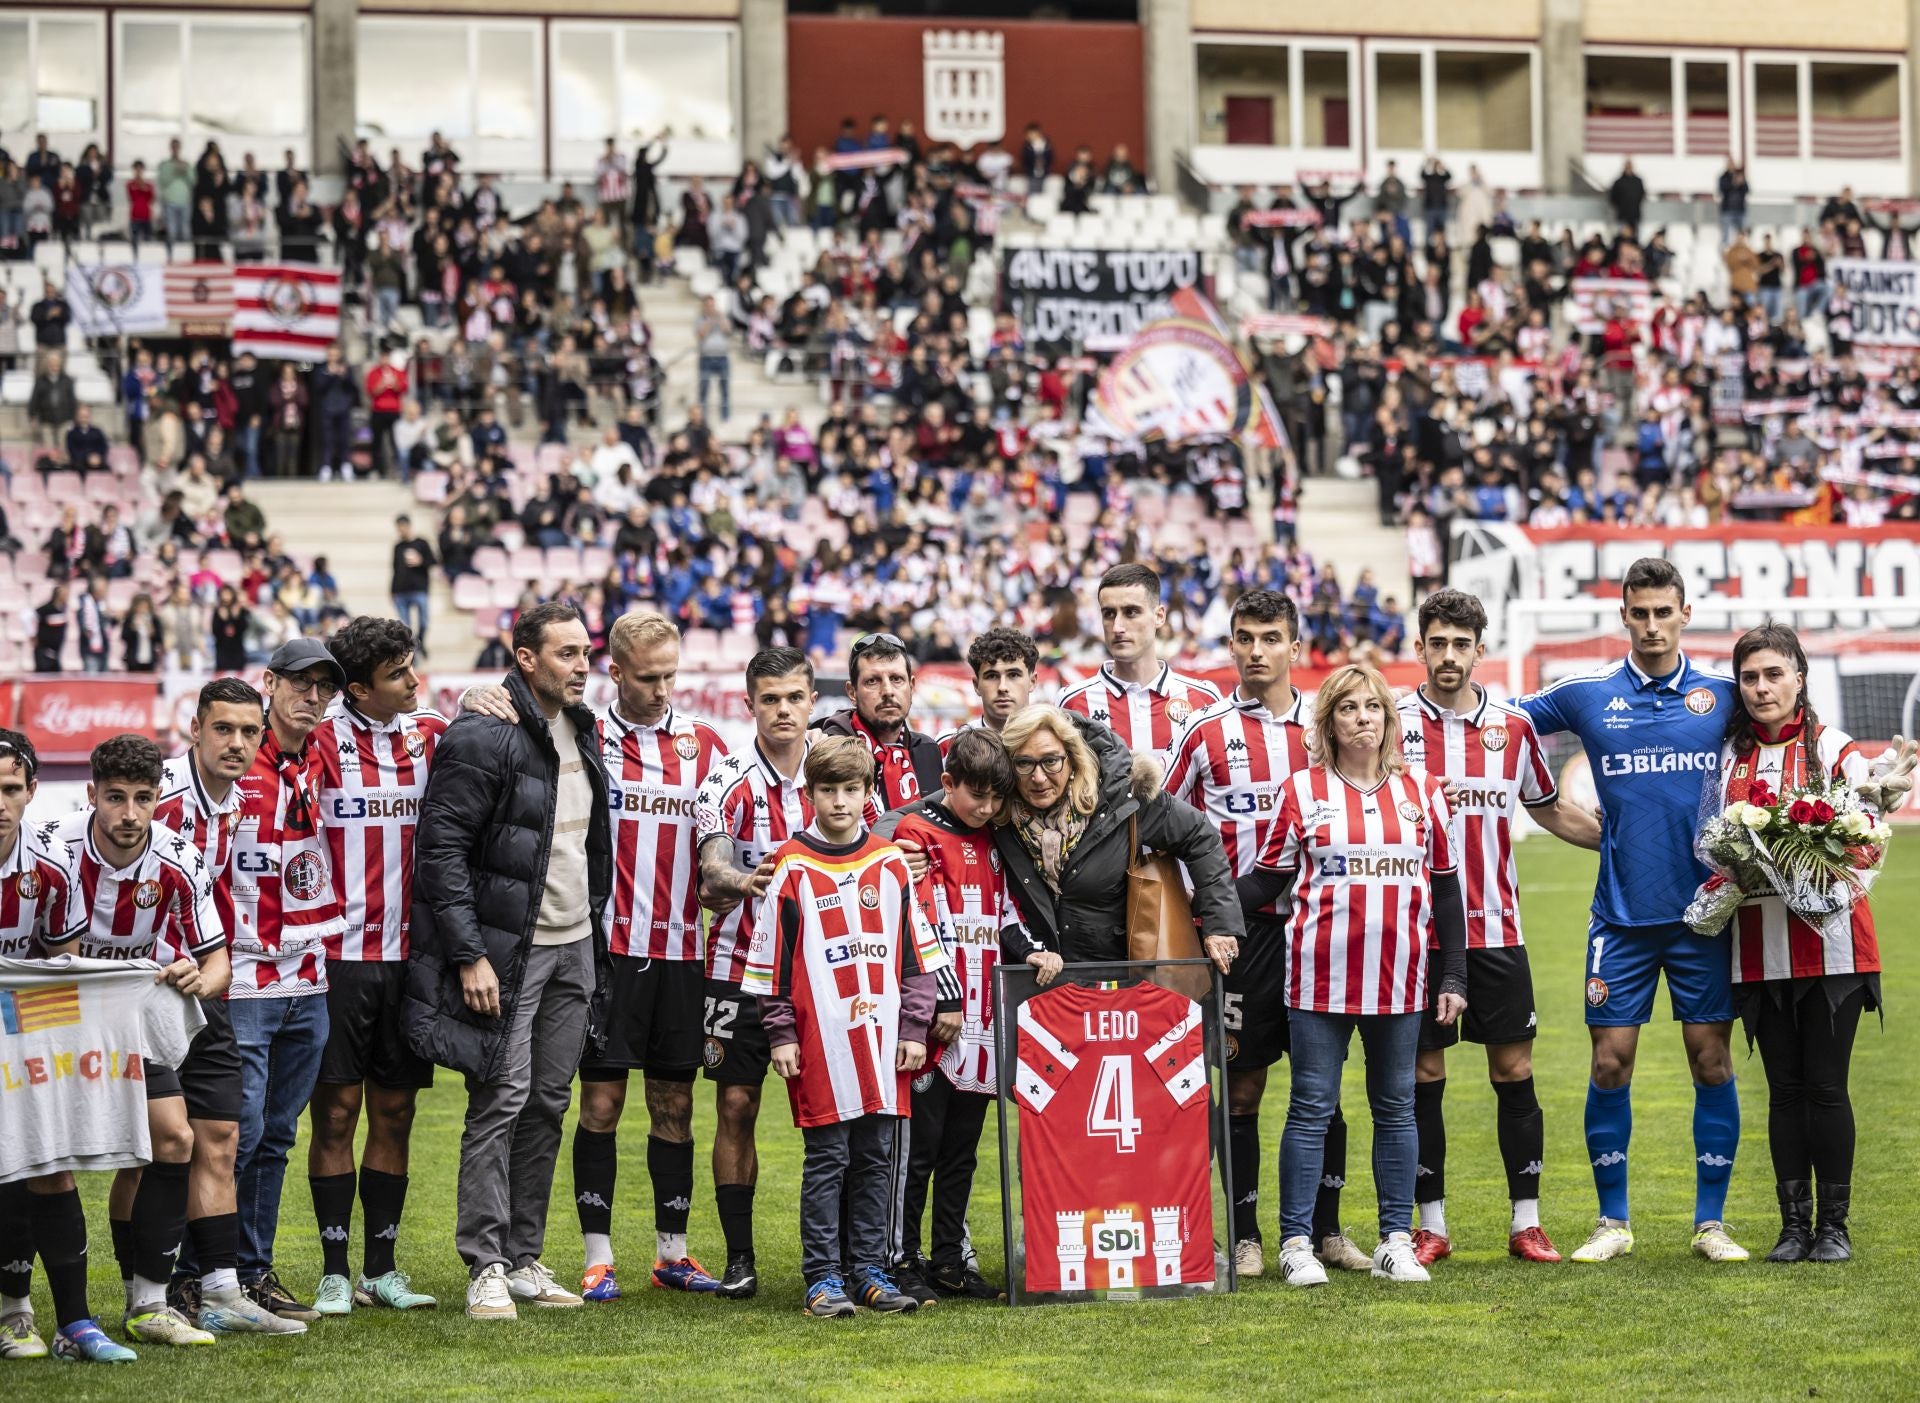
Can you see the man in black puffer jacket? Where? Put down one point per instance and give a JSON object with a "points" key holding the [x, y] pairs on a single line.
{"points": [[509, 968]]}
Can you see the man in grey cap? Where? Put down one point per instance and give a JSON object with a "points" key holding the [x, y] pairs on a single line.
{"points": [[284, 910]]}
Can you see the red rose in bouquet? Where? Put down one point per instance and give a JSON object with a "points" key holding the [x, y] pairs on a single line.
{"points": [[1822, 811], [1761, 795], [1801, 812]]}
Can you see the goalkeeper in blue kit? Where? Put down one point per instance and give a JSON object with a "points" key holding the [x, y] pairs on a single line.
{"points": [[1652, 726]]}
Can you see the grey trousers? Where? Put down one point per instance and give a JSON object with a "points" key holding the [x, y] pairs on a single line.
{"points": [[859, 1155], [512, 1138]]}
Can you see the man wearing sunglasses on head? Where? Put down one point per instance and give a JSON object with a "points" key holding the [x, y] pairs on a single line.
{"points": [[880, 683], [284, 910]]}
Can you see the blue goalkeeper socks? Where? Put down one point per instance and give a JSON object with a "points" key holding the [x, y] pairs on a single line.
{"points": [[1609, 1128], [1716, 1136]]}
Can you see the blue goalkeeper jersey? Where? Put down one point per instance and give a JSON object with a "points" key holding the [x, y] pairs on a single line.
{"points": [[1654, 747]]}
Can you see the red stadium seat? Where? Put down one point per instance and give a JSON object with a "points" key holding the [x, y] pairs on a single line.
{"points": [[65, 487], [27, 486], [506, 593], [527, 563], [471, 592], [430, 488], [490, 561]]}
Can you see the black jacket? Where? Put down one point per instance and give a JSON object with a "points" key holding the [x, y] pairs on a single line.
{"points": [[1087, 920], [480, 866], [923, 752]]}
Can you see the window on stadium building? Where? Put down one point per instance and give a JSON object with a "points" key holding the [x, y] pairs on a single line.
{"points": [[1483, 101], [1477, 106], [52, 80], [632, 81], [476, 82], [238, 80]]}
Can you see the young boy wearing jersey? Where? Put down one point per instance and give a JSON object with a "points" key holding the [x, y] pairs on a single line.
{"points": [[752, 803], [1142, 700], [843, 963], [140, 891], [1005, 664], [963, 894], [36, 913], [200, 800], [1232, 762], [1494, 765], [374, 751], [1652, 726]]}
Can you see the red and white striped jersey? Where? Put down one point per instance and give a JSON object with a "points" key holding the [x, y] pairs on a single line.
{"points": [[1144, 716], [964, 896], [1232, 762], [654, 774], [188, 810], [1493, 756], [36, 895], [1770, 942], [751, 803], [372, 777], [158, 907], [838, 935], [1362, 898], [284, 904]]}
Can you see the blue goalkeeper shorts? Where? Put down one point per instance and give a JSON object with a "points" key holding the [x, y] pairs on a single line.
{"points": [[1624, 964]]}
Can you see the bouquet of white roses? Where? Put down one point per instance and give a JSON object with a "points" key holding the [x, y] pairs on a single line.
{"points": [[1818, 848]]}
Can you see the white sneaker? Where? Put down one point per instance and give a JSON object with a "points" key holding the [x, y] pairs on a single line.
{"points": [[1712, 1241], [1338, 1251], [1298, 1265], [535, 1285], [1612, 1237], [1248, 1259], [488, 1297], [231, 1313], [1393, 1260]]}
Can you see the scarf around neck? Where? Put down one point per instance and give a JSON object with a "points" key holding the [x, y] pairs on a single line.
{"points": [[1050, 837]]}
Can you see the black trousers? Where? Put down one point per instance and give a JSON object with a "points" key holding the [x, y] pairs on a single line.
{"points": [[943, 1147], [844, 1188], [1806, 1046]]}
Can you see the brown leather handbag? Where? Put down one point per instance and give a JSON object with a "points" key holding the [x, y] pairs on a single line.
{"points": [[1160, 923]]}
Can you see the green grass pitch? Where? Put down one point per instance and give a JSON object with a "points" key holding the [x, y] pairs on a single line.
{"points": [[1661, 1324]]}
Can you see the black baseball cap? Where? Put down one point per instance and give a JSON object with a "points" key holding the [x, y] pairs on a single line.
{"points": [[302, 653]]}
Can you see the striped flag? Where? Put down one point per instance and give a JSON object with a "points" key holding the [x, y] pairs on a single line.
{"points": [[200, 292], [34, 1010], [1590, 299], [286, 311]]}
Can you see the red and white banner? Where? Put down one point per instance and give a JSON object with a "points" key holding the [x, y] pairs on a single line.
{"points": [[286, 311], [873, 159], [67, 717], [200, 292], [1280, 218], [1591, 301], [1278, 324]]}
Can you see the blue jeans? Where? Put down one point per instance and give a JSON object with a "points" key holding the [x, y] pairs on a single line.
{"points": [[248, 438], [280, 1041], [179, 223], [411, 609], [1319, 1050], [717, 369]]}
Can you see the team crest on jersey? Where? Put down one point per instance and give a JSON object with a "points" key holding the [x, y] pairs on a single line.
{"points": [[147, 895], [29, 886], [993, 859], [416, 744], [1412, 812], [686, 747], [1700, 701], [305, 877], [1178, 710], [1494, 738], [1597, 992], [870, 898], [1233, 1046], [924, 1080], [713, 1052]]}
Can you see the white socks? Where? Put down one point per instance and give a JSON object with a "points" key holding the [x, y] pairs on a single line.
{"points": [[144, 1295], [16, 1305], [223, 1282], [599, 1250], [1433, 1217], [669, 1246], [1526, 1214]]}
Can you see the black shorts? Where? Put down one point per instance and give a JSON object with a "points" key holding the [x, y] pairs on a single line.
{"points": [[366, 1040], [736, 1051], [1499, 1001], [209, 1078], [1256, 993], [653, 1021]]}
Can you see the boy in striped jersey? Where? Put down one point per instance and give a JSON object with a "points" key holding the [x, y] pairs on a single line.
{"points": [[1231, 762], [200, 800], [1141, 699], [140, 891], [1493, 765], [844, 963], [373, 752], [657, 758], [750, 805]]}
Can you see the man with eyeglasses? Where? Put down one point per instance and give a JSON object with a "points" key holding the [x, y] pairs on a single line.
{"points": [[285, 910], [880, 684]]}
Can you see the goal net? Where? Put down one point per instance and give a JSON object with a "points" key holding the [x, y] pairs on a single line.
{"points": [[1863, 657]]}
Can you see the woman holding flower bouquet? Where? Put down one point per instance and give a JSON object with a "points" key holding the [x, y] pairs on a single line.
{"points": [[1796, 836]]}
